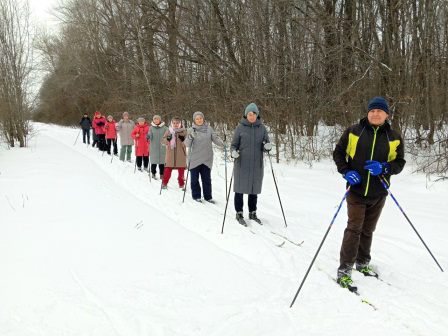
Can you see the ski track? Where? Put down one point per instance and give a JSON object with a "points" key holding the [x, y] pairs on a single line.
{"points": [[274, 272]]}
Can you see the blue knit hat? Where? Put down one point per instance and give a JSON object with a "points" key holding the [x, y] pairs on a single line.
{"points": [[251, 108], [378, 103]]}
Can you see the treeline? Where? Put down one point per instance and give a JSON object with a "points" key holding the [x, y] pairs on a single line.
{"points": [[303, 62], [15, 69]]}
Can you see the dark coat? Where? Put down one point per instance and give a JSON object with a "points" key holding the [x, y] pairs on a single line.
{"points": [[86, 123], [248, 169], [362, 142]]}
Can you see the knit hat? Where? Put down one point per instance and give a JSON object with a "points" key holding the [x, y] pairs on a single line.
{"points": [[196, 114], [141, 119], [156, 117], [110, 117], [251, 108], [175, 118], [378, 103], [97, 113]]}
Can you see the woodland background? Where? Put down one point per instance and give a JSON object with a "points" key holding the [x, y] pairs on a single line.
{"points": [[310, 66]]}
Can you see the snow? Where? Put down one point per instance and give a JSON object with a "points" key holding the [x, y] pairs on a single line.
{"points": [[89, 247]]}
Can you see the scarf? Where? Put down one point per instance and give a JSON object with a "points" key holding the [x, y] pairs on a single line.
{"points": [[173, 132], [159, 125], [202, 128]]}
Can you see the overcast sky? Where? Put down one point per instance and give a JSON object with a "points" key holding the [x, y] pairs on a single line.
{"points": [[40, 10]]}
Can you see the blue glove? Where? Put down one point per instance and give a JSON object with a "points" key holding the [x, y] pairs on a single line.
{"points": [[352, 177], [147, 136], [377, 168]]}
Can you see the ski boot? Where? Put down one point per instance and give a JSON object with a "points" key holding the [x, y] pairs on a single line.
{"points": [[240, 218], [366, 270], [253, 216]]}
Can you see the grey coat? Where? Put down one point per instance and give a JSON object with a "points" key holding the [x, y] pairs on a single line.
{"points": [[157, 152], [202, 152], [248, 169], [125, 129]]}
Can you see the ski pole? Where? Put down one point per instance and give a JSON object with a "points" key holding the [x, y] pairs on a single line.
{"points": [[320, 246], [190, 152], [149, 164], [386, 186], [276, 187], [227, 202], [225, 160], [136, 152], [77, 137]]}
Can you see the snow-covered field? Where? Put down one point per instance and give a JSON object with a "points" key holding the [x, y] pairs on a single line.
{"points": [[88, 247]]}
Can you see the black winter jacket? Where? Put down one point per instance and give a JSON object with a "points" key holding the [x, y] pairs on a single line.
{"points": [[85, 123], [362, 142]]}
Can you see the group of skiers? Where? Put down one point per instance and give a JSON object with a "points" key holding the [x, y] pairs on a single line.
{"points": [[365, 150]]}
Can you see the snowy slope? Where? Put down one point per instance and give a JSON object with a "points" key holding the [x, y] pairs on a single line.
{"points": [[87, 247]]}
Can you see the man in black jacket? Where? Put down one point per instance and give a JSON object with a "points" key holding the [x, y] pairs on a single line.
{"points": [[86, 125], [366, 150]]}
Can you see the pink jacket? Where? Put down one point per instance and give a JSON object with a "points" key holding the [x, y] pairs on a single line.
{"points": [[99, 129], [111, 130], [141, 144]]}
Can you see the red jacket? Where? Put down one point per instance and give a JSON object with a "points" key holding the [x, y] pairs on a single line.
{"points": [[111, 130], [141, 144], [99, 129]]}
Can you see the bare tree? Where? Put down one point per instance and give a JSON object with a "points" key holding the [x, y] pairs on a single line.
{"points": [[15, 69]]}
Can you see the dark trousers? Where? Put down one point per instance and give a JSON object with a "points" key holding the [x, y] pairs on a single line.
{"points": [[86, 134], [363, 215], [102, 142], [145, 160], [95, 143], [154, 168], [205, 173], [167, 175], [239, 202], [109, 145]]}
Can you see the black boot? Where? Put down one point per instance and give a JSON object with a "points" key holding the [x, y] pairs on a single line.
{"points": [[253, 216], [240, 218]]}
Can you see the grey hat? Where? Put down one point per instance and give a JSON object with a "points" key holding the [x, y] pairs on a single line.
{"points": [[125, 112], [141, 119], [109, 117], [198, 113], [175, 118], [157, 117]]}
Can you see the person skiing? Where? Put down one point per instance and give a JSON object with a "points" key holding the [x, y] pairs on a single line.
{"points": [[99, 123], [176, 156], [125, 128], [156, 149], [364, 151], [111, 135], [141, 143], [199, 139], [250, 140], [86, 125]]}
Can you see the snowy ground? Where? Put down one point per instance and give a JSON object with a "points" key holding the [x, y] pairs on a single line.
{"points": [[87, 247]]}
